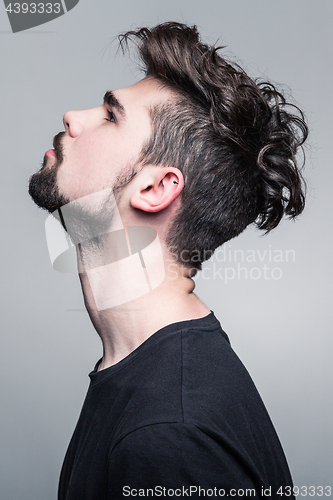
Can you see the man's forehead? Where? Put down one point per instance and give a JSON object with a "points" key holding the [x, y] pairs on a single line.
{"points": [[146, 93]]}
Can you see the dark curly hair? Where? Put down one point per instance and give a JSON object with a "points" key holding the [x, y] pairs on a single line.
{"points": [[234, 139]]}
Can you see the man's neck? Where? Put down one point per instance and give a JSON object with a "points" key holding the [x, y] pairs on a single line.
{"points": [[124, 327]]}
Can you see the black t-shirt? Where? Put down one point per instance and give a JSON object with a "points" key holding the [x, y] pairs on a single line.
{"points": [[180, 416]]}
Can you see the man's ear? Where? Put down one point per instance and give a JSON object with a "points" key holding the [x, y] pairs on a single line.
{"points": [[156, 188]]}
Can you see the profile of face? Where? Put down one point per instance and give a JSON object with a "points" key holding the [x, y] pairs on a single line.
{"points": [[90, 164], [99, 148]]}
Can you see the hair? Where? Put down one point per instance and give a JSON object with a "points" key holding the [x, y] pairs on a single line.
{"points": [[234, 139]]}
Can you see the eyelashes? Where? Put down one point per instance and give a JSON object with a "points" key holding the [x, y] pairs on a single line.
{"points": [[111, 115]]}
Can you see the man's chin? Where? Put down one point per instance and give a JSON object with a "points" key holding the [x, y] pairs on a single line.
{"points": [[43, 188]]}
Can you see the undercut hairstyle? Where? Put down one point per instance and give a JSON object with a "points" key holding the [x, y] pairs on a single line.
{"points": [[235, 140]]}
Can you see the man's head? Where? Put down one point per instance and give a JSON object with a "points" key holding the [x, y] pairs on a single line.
{"points": [[195, 117]]}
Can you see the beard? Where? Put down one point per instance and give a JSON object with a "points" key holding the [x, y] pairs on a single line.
{"points": [[43, 187]]}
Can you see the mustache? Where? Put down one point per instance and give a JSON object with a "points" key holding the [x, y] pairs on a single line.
{"points": [[58, 147]]}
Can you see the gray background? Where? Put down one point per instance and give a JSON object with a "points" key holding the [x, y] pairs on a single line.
{"points": [[281, 328]]}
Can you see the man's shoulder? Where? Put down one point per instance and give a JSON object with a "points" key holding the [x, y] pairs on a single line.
{"points": [[191, 375]]}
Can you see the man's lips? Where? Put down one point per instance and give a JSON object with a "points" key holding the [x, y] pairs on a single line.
{"points": [[51, 153]]}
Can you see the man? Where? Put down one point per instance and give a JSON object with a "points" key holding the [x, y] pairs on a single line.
{"points": [[148, 185]]}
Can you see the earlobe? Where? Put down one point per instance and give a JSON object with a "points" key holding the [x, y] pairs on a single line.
{"points": [[157, 188]]}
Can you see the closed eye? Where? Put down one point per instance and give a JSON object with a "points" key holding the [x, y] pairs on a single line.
{"points": [[112, 117]]}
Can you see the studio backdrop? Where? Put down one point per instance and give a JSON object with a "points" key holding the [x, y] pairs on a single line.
{"points": [[272, 294]]}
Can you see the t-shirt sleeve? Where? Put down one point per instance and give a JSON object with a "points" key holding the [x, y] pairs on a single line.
{"points": [[176, 460]]}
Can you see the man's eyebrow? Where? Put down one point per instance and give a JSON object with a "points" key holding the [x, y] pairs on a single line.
{"points": [[111, 100]]}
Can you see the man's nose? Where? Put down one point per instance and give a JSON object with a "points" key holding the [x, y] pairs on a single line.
{"points": [[73, 122]]}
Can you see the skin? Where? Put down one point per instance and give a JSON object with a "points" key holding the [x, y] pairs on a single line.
{"points": [[96, 151]]}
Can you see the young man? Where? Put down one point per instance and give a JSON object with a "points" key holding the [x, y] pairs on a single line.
{"points": [[148, 185]]}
